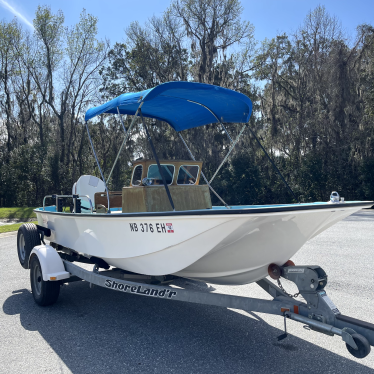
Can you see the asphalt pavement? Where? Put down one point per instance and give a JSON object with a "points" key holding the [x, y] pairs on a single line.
{"points": [[102, 331]]}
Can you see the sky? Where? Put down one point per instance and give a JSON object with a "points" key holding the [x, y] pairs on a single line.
{"points": [[269, 17]]}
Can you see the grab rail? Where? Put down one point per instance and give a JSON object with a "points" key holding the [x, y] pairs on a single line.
{"points": [[72, 196]]}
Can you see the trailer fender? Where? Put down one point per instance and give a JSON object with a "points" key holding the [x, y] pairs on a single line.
{"points": [[52, 266]]}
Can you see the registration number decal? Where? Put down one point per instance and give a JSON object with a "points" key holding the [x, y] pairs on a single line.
{"points": [[161, 228]]}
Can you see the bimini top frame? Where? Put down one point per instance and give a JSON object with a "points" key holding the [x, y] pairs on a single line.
{"points": [[183, 105]]}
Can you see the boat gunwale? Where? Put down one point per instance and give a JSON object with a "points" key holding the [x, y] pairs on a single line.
{"points": [[212, 212]]}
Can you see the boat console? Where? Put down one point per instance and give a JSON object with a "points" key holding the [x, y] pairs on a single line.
{"points": [[146, 192]]}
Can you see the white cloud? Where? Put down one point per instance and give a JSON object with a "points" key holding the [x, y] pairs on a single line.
{"points": [[6, 5]]}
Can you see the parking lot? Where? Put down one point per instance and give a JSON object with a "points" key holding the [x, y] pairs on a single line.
{"points": [[98, 330]]}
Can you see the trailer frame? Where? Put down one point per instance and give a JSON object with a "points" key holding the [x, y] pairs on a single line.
{"points": [[317, 311]]}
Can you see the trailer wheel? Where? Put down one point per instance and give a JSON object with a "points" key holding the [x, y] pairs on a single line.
{"points": [[362, 344], [27, 238], [44, 292]]}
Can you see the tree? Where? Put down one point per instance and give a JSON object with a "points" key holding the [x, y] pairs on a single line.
{"points": [[312, 94], [212, 26], [48, 79], [311, 102], [9, 33]]}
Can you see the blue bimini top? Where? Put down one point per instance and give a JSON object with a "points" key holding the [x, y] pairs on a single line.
{"points": [[183, 105]]}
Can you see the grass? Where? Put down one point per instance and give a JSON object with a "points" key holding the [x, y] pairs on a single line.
{"points": [[14, 227], [17, 213]]}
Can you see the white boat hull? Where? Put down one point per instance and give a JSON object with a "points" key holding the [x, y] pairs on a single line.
{"points": [[220, 248]]}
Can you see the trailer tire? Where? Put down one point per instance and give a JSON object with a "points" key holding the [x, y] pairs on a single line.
{"points": [[27, 238], [362, 344], [44, 292]]}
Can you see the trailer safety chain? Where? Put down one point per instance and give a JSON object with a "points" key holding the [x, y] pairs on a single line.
{"points": [[288, 294]]}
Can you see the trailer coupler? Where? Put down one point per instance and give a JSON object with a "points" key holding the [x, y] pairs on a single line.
{"points": [[319, 313]]}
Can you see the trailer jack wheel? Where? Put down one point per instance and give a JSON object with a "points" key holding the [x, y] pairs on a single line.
{"points": [[44, 292], [362, 345]]}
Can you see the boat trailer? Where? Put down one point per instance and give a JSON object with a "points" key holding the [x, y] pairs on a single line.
{"points": [[50, 268]]}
